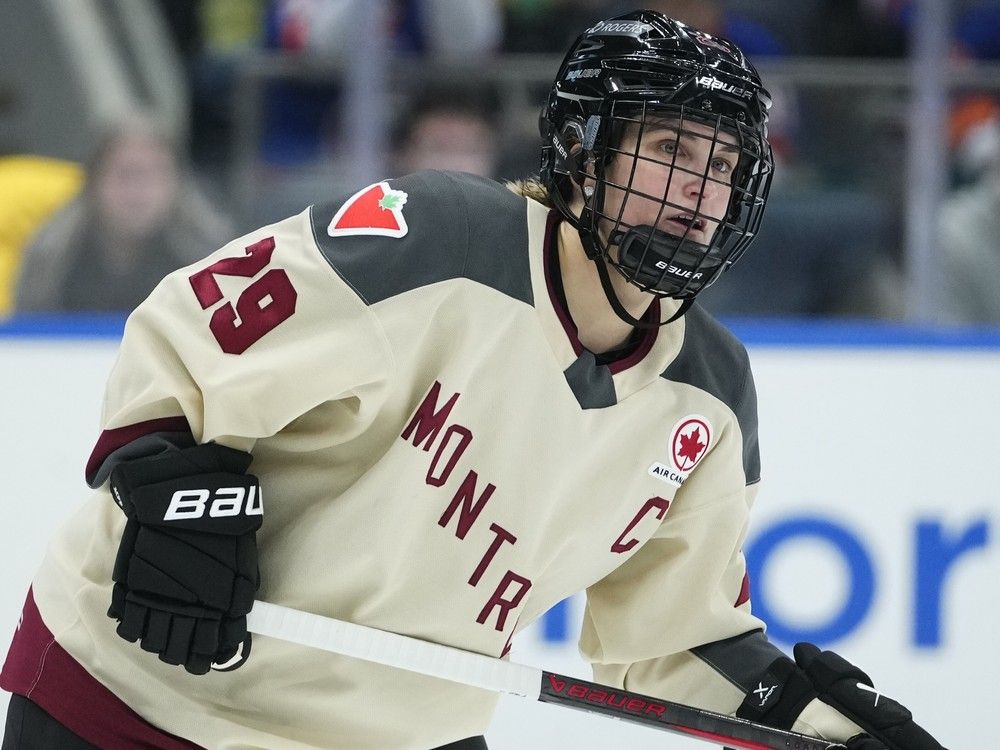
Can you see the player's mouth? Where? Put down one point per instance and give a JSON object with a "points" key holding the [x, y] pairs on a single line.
{"points": [[686, 224]]}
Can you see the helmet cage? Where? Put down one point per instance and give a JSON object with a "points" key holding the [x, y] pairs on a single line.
{"points": [[667, 263], [622, 77]]}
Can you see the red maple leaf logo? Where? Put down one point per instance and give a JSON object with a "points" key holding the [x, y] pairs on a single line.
{"points": [[691, 446]]}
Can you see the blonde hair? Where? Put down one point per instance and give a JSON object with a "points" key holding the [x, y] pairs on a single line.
{"points": [[531, 188]]}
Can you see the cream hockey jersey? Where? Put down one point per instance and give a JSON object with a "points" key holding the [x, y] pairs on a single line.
{"points": [[438, 457]]}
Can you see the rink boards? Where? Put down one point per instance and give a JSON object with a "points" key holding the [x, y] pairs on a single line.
{"points": [[875, 531]]}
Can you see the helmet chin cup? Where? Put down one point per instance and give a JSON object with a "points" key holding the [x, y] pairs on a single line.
{"points": [[664, 263]]}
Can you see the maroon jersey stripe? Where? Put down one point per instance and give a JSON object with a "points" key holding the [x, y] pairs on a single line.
{"points": [[744, 596], [649, 338], [41, 670], [552, 246], [652, 314]]}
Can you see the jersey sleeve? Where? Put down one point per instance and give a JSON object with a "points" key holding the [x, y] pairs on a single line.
{"points": [[684, 589], [687, 586], [234, 348], [675, 621]]}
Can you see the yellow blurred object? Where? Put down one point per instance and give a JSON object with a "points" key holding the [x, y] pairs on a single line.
{"points": [[232, 25], [32, 188]]}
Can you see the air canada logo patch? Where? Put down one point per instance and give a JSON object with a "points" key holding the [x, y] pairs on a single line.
{"points": [[689, 442], [376, 210]]}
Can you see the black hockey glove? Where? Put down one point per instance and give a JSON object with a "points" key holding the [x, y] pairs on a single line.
{"points": [[787, 687], [849, 690], [186, 571]]}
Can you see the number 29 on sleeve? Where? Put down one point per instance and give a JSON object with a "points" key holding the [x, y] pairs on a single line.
{"points": [[267, 302]]}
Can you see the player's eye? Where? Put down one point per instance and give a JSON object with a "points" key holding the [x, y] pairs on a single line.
{"points": [[669, 147], [722, 166]]}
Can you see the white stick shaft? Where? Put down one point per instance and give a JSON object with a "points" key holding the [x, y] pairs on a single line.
{"points": [[477, 670], [394, 650]]}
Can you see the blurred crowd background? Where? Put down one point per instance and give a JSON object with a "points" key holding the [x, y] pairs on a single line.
{"points": [[139, 135]]}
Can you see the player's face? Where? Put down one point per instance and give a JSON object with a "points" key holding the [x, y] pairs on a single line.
{"points": [[678, 178], [136, 186], [456, 141]]}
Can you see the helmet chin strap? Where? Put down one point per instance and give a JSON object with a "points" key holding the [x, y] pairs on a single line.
{"points": [[612, 295], [582, 224]]}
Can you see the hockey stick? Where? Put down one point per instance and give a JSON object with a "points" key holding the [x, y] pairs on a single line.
{"points": [[477, 670]]}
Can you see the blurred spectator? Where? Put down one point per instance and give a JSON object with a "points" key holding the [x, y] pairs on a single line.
{"points": [[31, 189], [447, 130], [138, 217], [300, 120], [970, 217]]}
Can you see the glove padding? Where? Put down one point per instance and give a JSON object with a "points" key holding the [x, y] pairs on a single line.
{"points": [[849, 690], [186, 571]]}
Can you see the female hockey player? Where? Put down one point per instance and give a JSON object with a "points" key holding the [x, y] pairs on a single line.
{"points": [[461, 402]]}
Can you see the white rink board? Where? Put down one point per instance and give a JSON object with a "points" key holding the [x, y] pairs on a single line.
{"points": [[871, 442]]}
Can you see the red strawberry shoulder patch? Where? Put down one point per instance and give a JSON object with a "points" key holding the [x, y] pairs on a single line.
{"points": [[375, 210]]}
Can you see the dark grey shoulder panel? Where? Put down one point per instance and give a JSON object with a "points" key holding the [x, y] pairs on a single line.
{"points": [[498, 236], [741, 659], [457, 226], [714, 360], [592, 385]]}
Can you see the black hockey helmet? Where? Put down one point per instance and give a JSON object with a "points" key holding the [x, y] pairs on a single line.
{"points": [[632, 70]]}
